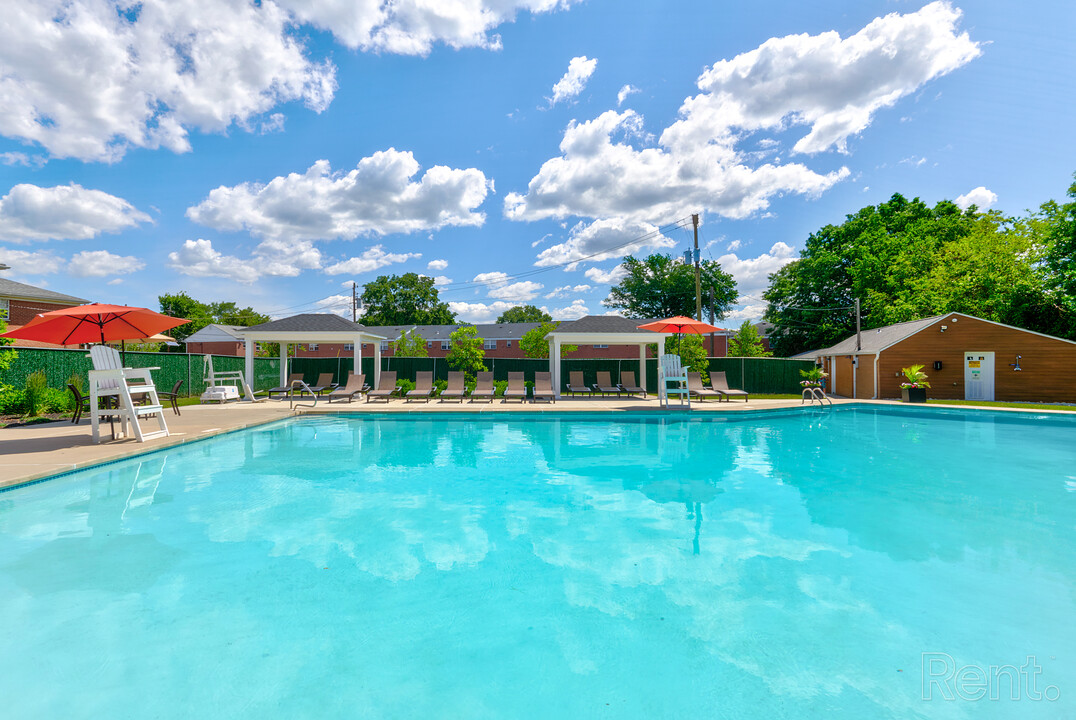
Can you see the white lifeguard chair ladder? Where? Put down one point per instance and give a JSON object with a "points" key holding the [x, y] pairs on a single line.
{"points": [[672, 380]]}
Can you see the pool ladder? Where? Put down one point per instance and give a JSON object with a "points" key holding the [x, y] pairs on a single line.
{"points": [[813, 394], [305, 389]]}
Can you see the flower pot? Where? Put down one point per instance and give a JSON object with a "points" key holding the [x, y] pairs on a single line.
{"points": [[913, 395]]}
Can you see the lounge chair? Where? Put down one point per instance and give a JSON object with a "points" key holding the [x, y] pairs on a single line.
{"points": [[720, 383], [325, 382], [285, 389], [517, 387], [172, 396], [385, 389], [694, 386], [354, 386], [483, 388], [423, 386], [605, 385], [576, 384], [455, 389], [627, 383], [543, 387]]}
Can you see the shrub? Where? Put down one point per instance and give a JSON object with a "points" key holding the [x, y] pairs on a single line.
{"points": [[499, 386], [79, 382], [404, 387], [12, 400], [34, 390], [439, 386]]}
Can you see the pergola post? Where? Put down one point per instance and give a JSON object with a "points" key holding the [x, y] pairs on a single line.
{"points": [[377, 364], [554, 369], [248, 365], [661, 354], [642, 366], [283, 363], [356, 351]]}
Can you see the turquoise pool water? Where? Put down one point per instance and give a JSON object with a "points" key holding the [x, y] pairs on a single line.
{"points": [[794, 565]]}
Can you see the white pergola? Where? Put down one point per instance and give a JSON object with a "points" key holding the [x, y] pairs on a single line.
{"points": [[306, 329], [602, 330]]}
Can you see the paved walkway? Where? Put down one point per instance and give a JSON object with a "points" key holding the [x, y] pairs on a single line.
{"points": [[37, 451]]}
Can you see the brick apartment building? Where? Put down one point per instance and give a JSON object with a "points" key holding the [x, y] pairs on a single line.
{"points": [[19, 303]]}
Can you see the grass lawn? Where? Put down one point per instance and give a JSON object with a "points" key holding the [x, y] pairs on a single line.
{"points": [[1020, 405]]}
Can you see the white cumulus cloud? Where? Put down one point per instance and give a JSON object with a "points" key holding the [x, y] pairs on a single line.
{"points": [[603, 240], [579, 71], [378, 197], [437, 264], [980, 197], [623, 94], [22, 262], [500, 288], [412, 27], [567, 290], [64, 212], [830, 85], [102, 263], [374, 258], [576, 310], [122, 75], [752, 274], [480, 312], [606, 277]]}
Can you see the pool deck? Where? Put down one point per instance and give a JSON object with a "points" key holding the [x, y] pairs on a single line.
{"points": [[38, 451]]}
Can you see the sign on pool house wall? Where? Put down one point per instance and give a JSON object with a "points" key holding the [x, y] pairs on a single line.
{"points": [[978, 375]]}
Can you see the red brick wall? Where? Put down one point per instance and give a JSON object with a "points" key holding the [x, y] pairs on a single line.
{"points": [[23, 311]]}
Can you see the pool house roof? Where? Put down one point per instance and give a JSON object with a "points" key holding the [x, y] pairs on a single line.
{"points": [[323, 327]]}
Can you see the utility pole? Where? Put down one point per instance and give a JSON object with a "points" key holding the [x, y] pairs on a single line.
{"points": [[712, 341], [698, 278], [859, 344], [354, 304]]}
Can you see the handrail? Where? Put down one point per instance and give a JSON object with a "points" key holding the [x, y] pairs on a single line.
{"points": [[291, 391], [815, 394]]}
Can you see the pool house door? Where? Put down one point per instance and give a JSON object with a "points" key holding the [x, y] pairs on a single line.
{"points": [[978, 376]]}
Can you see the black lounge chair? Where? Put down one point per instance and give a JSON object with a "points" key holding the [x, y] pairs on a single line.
{"points": [[483, 388], [455, 389], [172, 396], [543, 387], [605, 385], [627, 383], [695, 388], [355, 386], [423, 387], [517, 387], [720, 383], [576, 384], [385, 389]]}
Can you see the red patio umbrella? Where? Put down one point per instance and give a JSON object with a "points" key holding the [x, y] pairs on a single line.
{"points": [[679, 325], [94, 323]]}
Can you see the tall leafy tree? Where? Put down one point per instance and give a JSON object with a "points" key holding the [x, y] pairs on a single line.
{"points": [[466, 353], [1057, 224], [409, 299], [534, 343], [201, 314], [524, 313], [747, 342], [662, 286]]}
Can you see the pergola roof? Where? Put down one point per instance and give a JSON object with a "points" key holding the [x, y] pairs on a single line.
{"points": [[321, 327], [604, 329]]}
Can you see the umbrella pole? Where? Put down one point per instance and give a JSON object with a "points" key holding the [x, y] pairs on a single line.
{"points": [[123, 353]]}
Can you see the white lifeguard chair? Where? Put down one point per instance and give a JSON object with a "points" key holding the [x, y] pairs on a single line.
{"points": [[672, 380], [110, 379], [223, 386]]}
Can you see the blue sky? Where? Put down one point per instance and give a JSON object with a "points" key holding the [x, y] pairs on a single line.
{"points": [[513, 149]]}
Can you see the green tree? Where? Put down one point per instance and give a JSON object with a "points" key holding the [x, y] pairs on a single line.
{"points": [[1056, 225], [534, 343], [661, 286], [409, 299], [6, 356], [410, 345], [466, 353], [692, 353], [747, 342], [905, 260], [524, 313], [201, 314]]}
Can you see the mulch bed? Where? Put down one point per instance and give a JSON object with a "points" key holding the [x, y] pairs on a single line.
{"points": [[13, 421]]}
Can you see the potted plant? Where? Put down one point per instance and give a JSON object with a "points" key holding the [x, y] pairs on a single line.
{"points": [[914, 390], [813, 378]]}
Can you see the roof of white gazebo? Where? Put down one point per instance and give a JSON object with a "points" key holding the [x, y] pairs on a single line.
{"points": [[313, 327]]}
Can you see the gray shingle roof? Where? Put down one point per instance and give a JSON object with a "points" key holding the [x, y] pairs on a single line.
{"points": [[12, 289], [313, 322], [602, 324], [496, 331], [879, 338]]}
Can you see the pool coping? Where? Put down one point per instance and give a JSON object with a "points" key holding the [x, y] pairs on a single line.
{"points": [[489, 411]]}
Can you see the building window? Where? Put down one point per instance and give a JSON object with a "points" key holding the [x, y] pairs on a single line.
{"points": [[446, 344], [384, 346], [509, 343], [5, 308], [349, 347], [489, 344], [600, 347], [312, 346], [429, 343]]}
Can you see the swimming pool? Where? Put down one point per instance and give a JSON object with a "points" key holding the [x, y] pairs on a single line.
{"points": [[790, 564]]}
